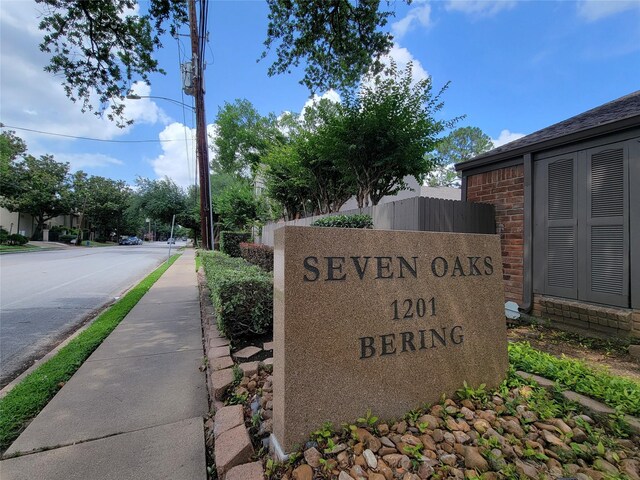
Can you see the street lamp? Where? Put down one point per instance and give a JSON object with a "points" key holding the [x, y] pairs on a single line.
{"points": [[133, 96]]}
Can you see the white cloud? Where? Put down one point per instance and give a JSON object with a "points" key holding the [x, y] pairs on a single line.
{"points": [[505, 137], [593, 10], [420, 15], [402, 57], [480, 8], [79, 161], [178, 158], [330, 95]]}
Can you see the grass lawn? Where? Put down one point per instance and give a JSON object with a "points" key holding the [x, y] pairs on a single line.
{"points": [[17, 248], [31, 395]]}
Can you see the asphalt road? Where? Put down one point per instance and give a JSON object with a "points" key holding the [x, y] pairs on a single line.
{"points": [[44, 296]]}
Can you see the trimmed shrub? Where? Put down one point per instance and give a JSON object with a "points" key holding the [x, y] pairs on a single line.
{"points": [[66, 238], [259, 255], [242, 295], [345, 221], [230, 242], [4, 235], [17, 239]]}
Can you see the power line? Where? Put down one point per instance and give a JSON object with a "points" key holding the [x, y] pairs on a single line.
{"points": [[90, 138]]}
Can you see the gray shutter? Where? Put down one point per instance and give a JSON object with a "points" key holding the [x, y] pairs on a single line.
{"points": [[561, 227], [607, 229]]}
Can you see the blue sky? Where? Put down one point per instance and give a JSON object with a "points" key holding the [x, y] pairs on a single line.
{"points": [[514, 67]]}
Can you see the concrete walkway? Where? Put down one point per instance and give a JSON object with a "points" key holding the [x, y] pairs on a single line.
{"points": [[134, 409]]}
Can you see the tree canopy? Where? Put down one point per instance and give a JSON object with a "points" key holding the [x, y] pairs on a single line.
{"points": [[42, 188], [384, 132], [460, 145], [100, 47], [243, 137], [338, 40]]}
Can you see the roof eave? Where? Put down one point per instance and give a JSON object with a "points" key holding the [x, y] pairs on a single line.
{"points": [[580, 135]]}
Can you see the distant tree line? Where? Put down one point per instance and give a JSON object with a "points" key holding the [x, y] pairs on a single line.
{"points": [[45, 189]]}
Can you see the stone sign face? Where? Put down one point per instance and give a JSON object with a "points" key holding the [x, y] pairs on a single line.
{"points": [[380, 320]]}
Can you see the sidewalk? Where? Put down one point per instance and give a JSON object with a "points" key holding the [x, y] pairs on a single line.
{"points": [[134, 409]]}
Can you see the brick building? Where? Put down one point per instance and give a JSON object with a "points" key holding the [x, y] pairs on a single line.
{"points": [[567, 201]]}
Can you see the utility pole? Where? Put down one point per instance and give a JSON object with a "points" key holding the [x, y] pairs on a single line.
{"points": [[202, 150]]}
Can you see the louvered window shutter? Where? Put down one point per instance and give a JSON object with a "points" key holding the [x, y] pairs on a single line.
{"points": [[561, 228], [607, 229]]}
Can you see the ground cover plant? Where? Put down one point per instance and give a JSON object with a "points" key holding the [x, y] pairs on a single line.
{"points": [[242, 295], [517, 431], [571, 374], [31, 395]]}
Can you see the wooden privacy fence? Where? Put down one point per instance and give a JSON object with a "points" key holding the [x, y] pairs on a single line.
{"points": [[417, 213]]}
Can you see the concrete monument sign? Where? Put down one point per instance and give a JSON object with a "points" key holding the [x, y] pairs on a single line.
{"points": [[380, 320]]}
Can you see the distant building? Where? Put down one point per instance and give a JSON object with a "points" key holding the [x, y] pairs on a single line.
{"points": [[25, 224]]}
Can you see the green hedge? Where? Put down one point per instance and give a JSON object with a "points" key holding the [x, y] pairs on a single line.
{"points": [[17, 239], [230, 242], [258, 255], [617, 392], [242, 295], [345, 221]]}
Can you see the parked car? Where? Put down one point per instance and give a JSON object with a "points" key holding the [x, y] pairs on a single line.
{"points": [[130, 241], [171, 240]]}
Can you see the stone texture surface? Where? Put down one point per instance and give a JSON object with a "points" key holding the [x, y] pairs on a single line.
{"points": [[220, 363], [590, 405], [247, 352], [268, 361], [543, 382], [221, 380], [217, 352], [634, 351], [227, 418], [249, 368], [346, 312], [267, 346], [248, 471], [232, 448], [217, 342]]}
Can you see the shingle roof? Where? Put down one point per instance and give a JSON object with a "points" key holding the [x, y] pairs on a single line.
{"points": [[616, 110]]}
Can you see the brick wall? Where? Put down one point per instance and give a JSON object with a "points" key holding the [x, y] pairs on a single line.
{"points": [[504, 188], [588, 319]]}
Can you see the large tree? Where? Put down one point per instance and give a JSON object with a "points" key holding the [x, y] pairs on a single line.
{"points": [[100, 47], [160, 199], [12, 150], [238, 207], [384, 132], [460, 145], [42, 189], [243, 137]]}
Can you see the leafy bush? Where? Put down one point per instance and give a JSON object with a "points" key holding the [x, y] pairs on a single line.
{"points": [[17, 239], [345, 221], [230, 242], [242, 295], [617, 392], [4, 235], [101, 239], [67, 238], [259, 255]]}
